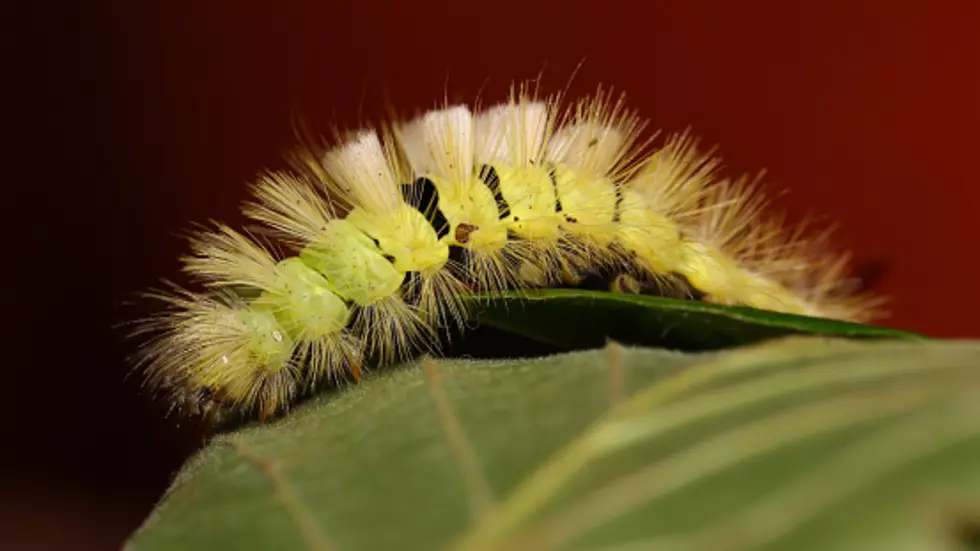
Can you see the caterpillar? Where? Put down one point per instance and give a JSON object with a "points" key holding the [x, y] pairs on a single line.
{"points": [[366, 247]]}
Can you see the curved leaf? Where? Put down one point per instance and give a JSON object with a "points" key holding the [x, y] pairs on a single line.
{"points": [[574, 319], [805, 443]]}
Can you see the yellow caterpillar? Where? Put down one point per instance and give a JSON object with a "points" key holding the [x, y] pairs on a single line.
{"points": [[388, 231]]}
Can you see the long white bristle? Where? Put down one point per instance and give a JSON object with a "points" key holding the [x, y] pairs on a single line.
{"points": [[512, 133], [362, 169]]}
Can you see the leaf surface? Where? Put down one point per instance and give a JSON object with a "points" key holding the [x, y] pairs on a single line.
{"points": [[800, 443]]}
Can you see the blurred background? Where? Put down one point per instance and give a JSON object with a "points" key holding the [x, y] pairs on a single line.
{"points": [[132, 119]]}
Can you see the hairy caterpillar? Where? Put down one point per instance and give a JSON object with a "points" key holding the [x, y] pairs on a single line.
{"points": [[387, 230]]}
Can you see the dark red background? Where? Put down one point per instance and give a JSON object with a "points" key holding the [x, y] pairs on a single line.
{"points": [[133, 118]]}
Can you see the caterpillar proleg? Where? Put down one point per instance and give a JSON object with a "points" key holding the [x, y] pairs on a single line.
{"points": [[370, 245]]}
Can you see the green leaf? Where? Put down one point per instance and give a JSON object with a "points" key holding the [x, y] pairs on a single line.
{"points": [[573, 319], [802, 443]]}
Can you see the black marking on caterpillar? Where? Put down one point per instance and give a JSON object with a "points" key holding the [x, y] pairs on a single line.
{"points": [[619, 203], [554, 184], [489, 177], [423, 195]]}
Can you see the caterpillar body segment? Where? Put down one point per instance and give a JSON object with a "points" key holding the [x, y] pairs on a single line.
{"points": [[214, 352]]}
